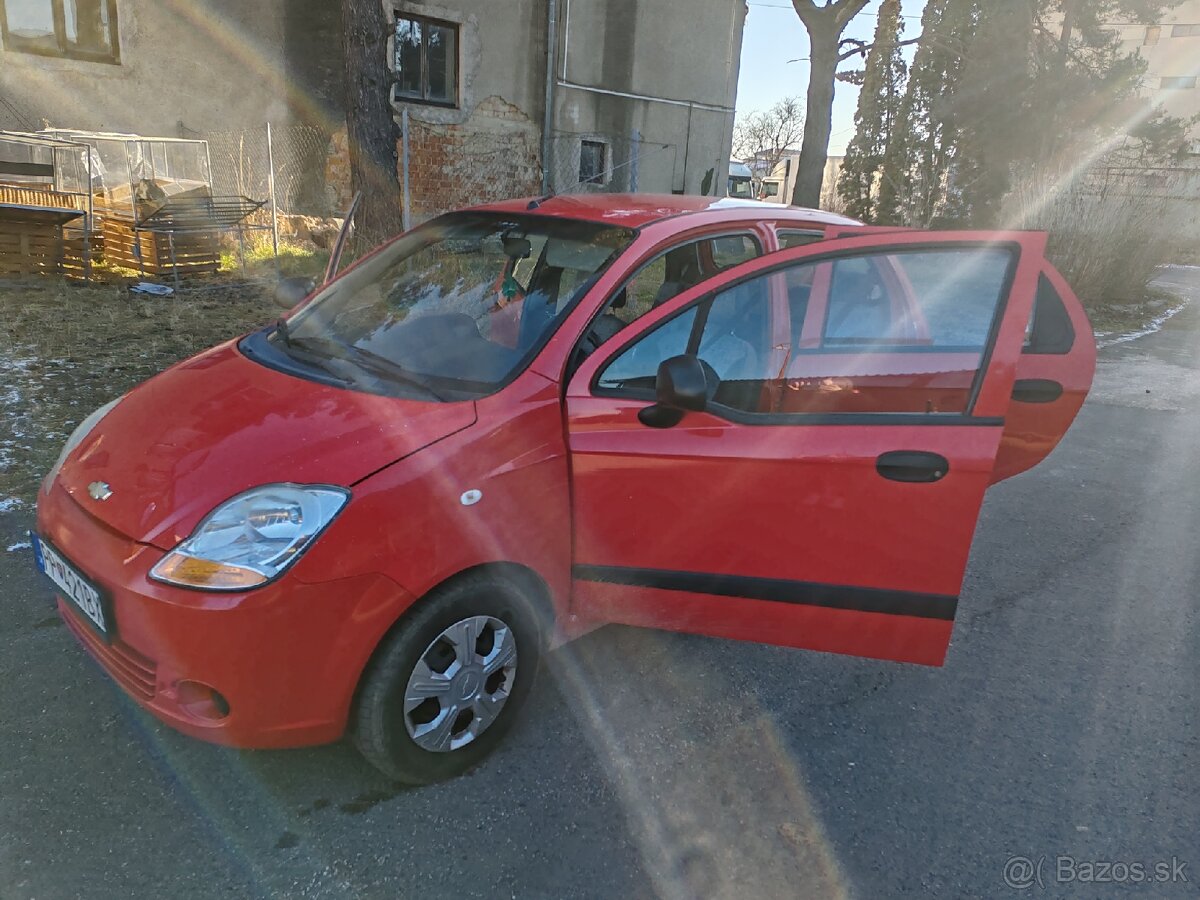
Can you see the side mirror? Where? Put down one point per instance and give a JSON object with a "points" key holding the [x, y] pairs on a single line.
{"points": [[681, 386], [290, 291]]}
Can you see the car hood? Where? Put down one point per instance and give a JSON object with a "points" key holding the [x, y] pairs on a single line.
{"points": [[219, 424]]}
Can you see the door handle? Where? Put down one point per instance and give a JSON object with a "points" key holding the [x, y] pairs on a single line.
{"points": [[912, 466], [1036, 390]]}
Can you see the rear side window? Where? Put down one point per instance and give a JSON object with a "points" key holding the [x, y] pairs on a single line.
{"points": [[1050, 330], [790, 239], [729, 251]]}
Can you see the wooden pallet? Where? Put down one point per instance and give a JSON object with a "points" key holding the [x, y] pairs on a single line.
{"points": [[28, 248], [195, 253]]}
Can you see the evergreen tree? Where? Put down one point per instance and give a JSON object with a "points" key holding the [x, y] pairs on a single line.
{"points": [[921, 152], [875, 122], [998, 89]]}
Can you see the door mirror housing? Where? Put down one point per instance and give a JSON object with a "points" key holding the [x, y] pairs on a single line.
{"points": [[290, 291], [681, 386]]}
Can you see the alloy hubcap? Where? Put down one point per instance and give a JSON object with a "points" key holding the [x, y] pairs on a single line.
{"points": [[460, 684]]}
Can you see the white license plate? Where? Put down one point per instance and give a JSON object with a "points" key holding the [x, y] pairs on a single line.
{"points": [[75, 588]]}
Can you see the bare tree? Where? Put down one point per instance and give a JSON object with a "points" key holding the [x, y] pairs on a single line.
{"points": [[824, 24], [370, 125], [761, 138]]}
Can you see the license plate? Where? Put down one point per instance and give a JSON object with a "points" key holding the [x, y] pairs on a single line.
{"points": [[75, 588]]}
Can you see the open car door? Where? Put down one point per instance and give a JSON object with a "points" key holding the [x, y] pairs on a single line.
{"points": [[854, 396]]}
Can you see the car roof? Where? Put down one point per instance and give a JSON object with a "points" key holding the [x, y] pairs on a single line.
{"points": [[636, 210]]}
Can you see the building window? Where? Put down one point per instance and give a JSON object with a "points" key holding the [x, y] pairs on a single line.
{"points": [[75, 29], [1153, 33], [592, 168], [1185, 31], [1178, 82], [426, 61]]}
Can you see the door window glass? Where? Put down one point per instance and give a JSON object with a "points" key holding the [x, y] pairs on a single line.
{"points": [[899, 333]]}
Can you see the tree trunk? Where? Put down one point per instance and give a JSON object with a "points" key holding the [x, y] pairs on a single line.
{"points": [[818, 118], [370, 125]]}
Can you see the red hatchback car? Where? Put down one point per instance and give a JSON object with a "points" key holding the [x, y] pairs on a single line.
{"points": [[519, 422]]}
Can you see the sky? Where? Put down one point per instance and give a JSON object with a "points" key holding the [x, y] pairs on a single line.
{"points": [[774, 35]]}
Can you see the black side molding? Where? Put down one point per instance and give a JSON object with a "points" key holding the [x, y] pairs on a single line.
{"points": [[1036, 390], [778, 590]]}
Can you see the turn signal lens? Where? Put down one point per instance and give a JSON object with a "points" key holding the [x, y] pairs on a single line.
{"points": [[204, 573]]}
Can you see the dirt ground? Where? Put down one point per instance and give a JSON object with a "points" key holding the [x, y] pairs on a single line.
{"points": [[66, 349]]}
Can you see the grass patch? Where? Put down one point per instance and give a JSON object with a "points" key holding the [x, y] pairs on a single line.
{"points": [[66, 349], [261, 263]]}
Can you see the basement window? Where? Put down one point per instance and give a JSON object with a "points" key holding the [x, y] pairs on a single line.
{"points": [[426, 61], [1178, 82], [592, 169], [74, 29]]}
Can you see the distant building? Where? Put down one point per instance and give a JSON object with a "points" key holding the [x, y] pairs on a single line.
{"points": [[1171, 48]]}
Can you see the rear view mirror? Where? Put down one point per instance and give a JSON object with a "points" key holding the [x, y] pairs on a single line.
{"points": [[290, 291], [681, 386]]}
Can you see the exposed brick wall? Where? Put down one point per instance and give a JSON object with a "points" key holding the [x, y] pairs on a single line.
{"points": [[495, 154]]}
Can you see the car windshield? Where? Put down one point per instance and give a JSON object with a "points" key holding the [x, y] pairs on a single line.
{"points": [[454, 308]]}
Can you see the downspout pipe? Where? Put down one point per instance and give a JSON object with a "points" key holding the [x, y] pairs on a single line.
{"points": [[551, 80]]}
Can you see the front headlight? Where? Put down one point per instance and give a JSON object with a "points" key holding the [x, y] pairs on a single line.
{"points": [[248, 540], [77, 437]]}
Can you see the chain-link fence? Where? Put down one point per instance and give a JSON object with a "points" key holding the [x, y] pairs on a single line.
{"points": [[306, 170], [295, 157]]}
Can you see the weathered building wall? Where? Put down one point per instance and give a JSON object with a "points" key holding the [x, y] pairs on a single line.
{"points": [[488, 146], [213, 65], [663, 71]]}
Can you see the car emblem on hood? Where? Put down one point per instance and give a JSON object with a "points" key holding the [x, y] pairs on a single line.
{"points": [[99, 490]]}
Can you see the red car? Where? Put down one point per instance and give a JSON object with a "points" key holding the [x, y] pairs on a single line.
{"points": [[519, 422]]}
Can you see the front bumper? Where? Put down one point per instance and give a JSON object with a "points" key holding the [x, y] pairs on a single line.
{"points": [[286, 657]]}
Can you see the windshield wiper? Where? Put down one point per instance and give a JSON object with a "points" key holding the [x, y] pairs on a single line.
{"points": [[367, 359], [297, 352]]}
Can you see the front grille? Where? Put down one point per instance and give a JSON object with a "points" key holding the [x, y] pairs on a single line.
{"points": [[132, 671]]}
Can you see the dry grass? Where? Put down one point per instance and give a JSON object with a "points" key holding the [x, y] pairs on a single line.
{"points": [[66, 349], [1108, 245]]}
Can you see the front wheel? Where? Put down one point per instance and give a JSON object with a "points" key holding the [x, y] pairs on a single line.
{"points": [[445, 686]]}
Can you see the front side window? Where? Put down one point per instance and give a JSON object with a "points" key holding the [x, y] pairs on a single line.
{"points": [[76, 29], [426, 61], [456, 307], [666, 275], [731, 335]]}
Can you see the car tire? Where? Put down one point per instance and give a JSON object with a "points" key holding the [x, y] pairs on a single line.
{"points": [[441, 691]]}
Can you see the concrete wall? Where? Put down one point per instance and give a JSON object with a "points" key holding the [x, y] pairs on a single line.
{"points": [[678, 59], [214, 65]]}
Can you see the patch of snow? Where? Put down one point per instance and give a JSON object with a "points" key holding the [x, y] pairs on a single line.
{"points": [[21, 545], [1106, 339], [8, 504]]}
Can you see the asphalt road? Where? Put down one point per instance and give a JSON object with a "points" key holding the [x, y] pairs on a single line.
{"points": [[1063, 729]]}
